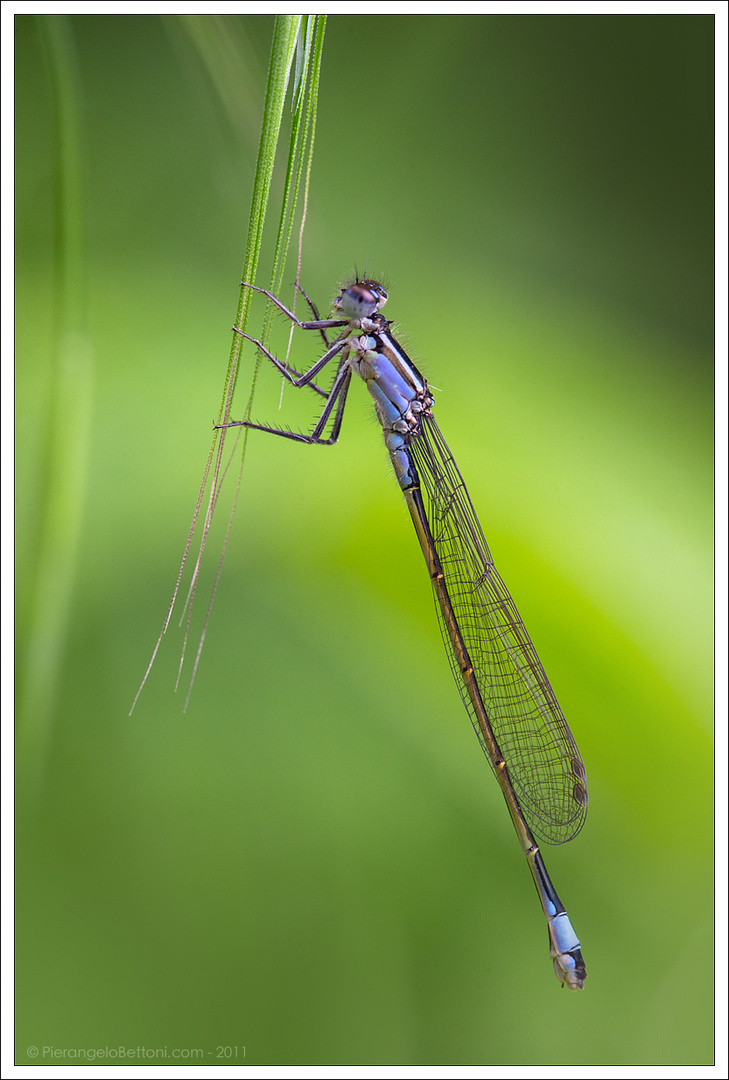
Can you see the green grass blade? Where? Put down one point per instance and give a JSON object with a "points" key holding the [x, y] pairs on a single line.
{"points": [[296, 39]]}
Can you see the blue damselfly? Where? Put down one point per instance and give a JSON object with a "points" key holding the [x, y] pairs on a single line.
{"points": [[508, 697]]}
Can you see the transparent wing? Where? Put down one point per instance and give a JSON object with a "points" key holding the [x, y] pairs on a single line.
{"points": [[544, 764]]}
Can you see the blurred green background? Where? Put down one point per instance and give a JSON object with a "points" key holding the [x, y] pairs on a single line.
{"points": [[314, 861]]}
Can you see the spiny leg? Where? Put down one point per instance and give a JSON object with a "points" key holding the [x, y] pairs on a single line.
{"points": [[289, 373], [337, 396], [316, 324]]}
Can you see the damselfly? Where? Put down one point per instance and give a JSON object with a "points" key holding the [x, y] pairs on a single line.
{"points": [[508, 697]]}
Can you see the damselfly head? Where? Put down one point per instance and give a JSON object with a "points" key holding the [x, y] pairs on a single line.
{"points": [[361, 299]]}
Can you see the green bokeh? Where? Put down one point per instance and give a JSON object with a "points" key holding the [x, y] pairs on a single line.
{"points": [[314, 861]]}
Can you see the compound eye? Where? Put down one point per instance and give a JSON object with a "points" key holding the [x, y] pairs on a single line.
{"points": [[377, 290], [359, 301]]}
